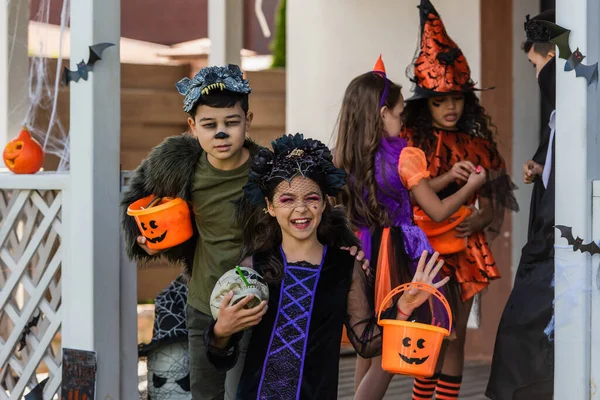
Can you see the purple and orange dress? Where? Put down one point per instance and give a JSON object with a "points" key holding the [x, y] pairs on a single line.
{"points": [[395, 250]]}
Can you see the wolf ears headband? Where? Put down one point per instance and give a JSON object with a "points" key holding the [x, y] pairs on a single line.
{"points": [[228, 78]]}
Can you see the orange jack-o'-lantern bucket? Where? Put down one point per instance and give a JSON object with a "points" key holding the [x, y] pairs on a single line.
{"points": [[412, 348], [164, 222], [442, 235]]}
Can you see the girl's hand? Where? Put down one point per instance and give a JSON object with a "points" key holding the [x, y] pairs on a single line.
{"points": [[477, 221], [462, 170], [413, 298], [235, 318], [477, 178], [141, 241], [360, 257]]}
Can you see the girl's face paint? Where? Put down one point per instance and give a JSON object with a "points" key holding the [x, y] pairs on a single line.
{"points": [[446, 110], [298, 206]]}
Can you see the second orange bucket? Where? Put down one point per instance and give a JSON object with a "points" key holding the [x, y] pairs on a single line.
{"points": [[165, 224], [412, 348], [442, 235]]}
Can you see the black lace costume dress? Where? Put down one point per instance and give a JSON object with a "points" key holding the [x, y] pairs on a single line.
{"points": [[294, 351]]}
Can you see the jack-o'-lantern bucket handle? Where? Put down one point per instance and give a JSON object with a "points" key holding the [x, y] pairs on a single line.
{"points": [[420, 286]]}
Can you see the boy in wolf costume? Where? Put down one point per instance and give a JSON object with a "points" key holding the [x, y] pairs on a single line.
{"points": [[208, 169]]}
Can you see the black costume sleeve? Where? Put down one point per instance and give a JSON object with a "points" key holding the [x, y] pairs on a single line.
{"points": [[361, 321], [222, 359]]}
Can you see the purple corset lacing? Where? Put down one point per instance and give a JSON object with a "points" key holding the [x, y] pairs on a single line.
{"points": [[284, 363]]}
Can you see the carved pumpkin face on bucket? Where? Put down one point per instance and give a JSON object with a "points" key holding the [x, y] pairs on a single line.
{"points": [[409, 347], [415, 349], [23, 154], [164, 222]]}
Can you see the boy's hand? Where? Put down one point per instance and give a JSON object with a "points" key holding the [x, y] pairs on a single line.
{"points": [[477, 178], [360, 256], [141, 241], [531, 169], [413, 298], [235, 318], [461, 170]]}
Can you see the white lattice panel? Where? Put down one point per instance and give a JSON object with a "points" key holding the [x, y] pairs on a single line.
{"points": [[30, 290]]}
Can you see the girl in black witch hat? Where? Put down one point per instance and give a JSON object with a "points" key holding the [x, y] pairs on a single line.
{"points": [[445, 120]]}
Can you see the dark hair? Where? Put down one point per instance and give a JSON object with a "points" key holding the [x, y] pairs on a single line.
{"points": [[541, 48], [538, 36], [473, 121], [262, 234], [359, 134], [221, 99]]}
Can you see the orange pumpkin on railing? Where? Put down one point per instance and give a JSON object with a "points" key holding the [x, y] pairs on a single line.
{"points": [[23, 154]]}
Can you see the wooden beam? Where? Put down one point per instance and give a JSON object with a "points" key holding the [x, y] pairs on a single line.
{"points": [[226, 31], [14, 70], [91, 274]]}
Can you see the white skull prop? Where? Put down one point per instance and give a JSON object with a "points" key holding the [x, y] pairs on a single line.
{"points": [[231, 281], [169, 372]]}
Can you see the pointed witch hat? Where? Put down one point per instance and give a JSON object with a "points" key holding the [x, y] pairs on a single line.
{"points": [[440, 67]]}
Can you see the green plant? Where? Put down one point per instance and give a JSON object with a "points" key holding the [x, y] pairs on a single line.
{"points": [[278, 43]]}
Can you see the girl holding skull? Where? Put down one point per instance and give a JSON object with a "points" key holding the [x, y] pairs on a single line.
{"points": [[315, 288]]}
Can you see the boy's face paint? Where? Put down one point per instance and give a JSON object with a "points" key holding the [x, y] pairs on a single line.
{"points": [[392, 124], [221, 132], [298, 206], [446, 110]]}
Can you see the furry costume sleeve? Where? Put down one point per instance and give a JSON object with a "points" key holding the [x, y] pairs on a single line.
{"points": [[167, 172]]}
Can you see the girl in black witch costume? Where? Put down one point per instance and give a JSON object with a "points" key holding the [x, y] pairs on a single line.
{"points": [[446, 121], [315, 288]]}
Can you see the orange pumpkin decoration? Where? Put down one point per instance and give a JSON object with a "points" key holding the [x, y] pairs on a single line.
{"points": [[164, 222], [23, 154]]}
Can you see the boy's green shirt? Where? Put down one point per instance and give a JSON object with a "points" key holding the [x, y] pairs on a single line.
{"points": [[218, 248]]}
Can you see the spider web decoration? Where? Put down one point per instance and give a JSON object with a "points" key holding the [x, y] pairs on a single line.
{"points": [[170, 316], [41, 117], [169, 373]]}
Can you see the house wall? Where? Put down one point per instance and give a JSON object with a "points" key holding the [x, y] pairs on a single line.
{"points": [[344, 40]]}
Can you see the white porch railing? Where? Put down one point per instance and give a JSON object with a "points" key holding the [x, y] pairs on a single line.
{"points": [[31, 256]]}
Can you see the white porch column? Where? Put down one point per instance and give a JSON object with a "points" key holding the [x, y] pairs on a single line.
{"points": [[225, 31], [91, 274], [577, 164], [14, 68]]}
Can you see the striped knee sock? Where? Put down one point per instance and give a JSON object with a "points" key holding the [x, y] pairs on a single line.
{"points": [[448, 387], [423, 388]]}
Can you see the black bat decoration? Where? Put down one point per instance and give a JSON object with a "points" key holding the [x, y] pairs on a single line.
{"points": [[38, 392], [84, 68], [567, 232], [32, 322], [560, 37]]}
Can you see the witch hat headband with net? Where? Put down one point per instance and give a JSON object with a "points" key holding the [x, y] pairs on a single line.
{"points": [[379, 69], [439, 67]]}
